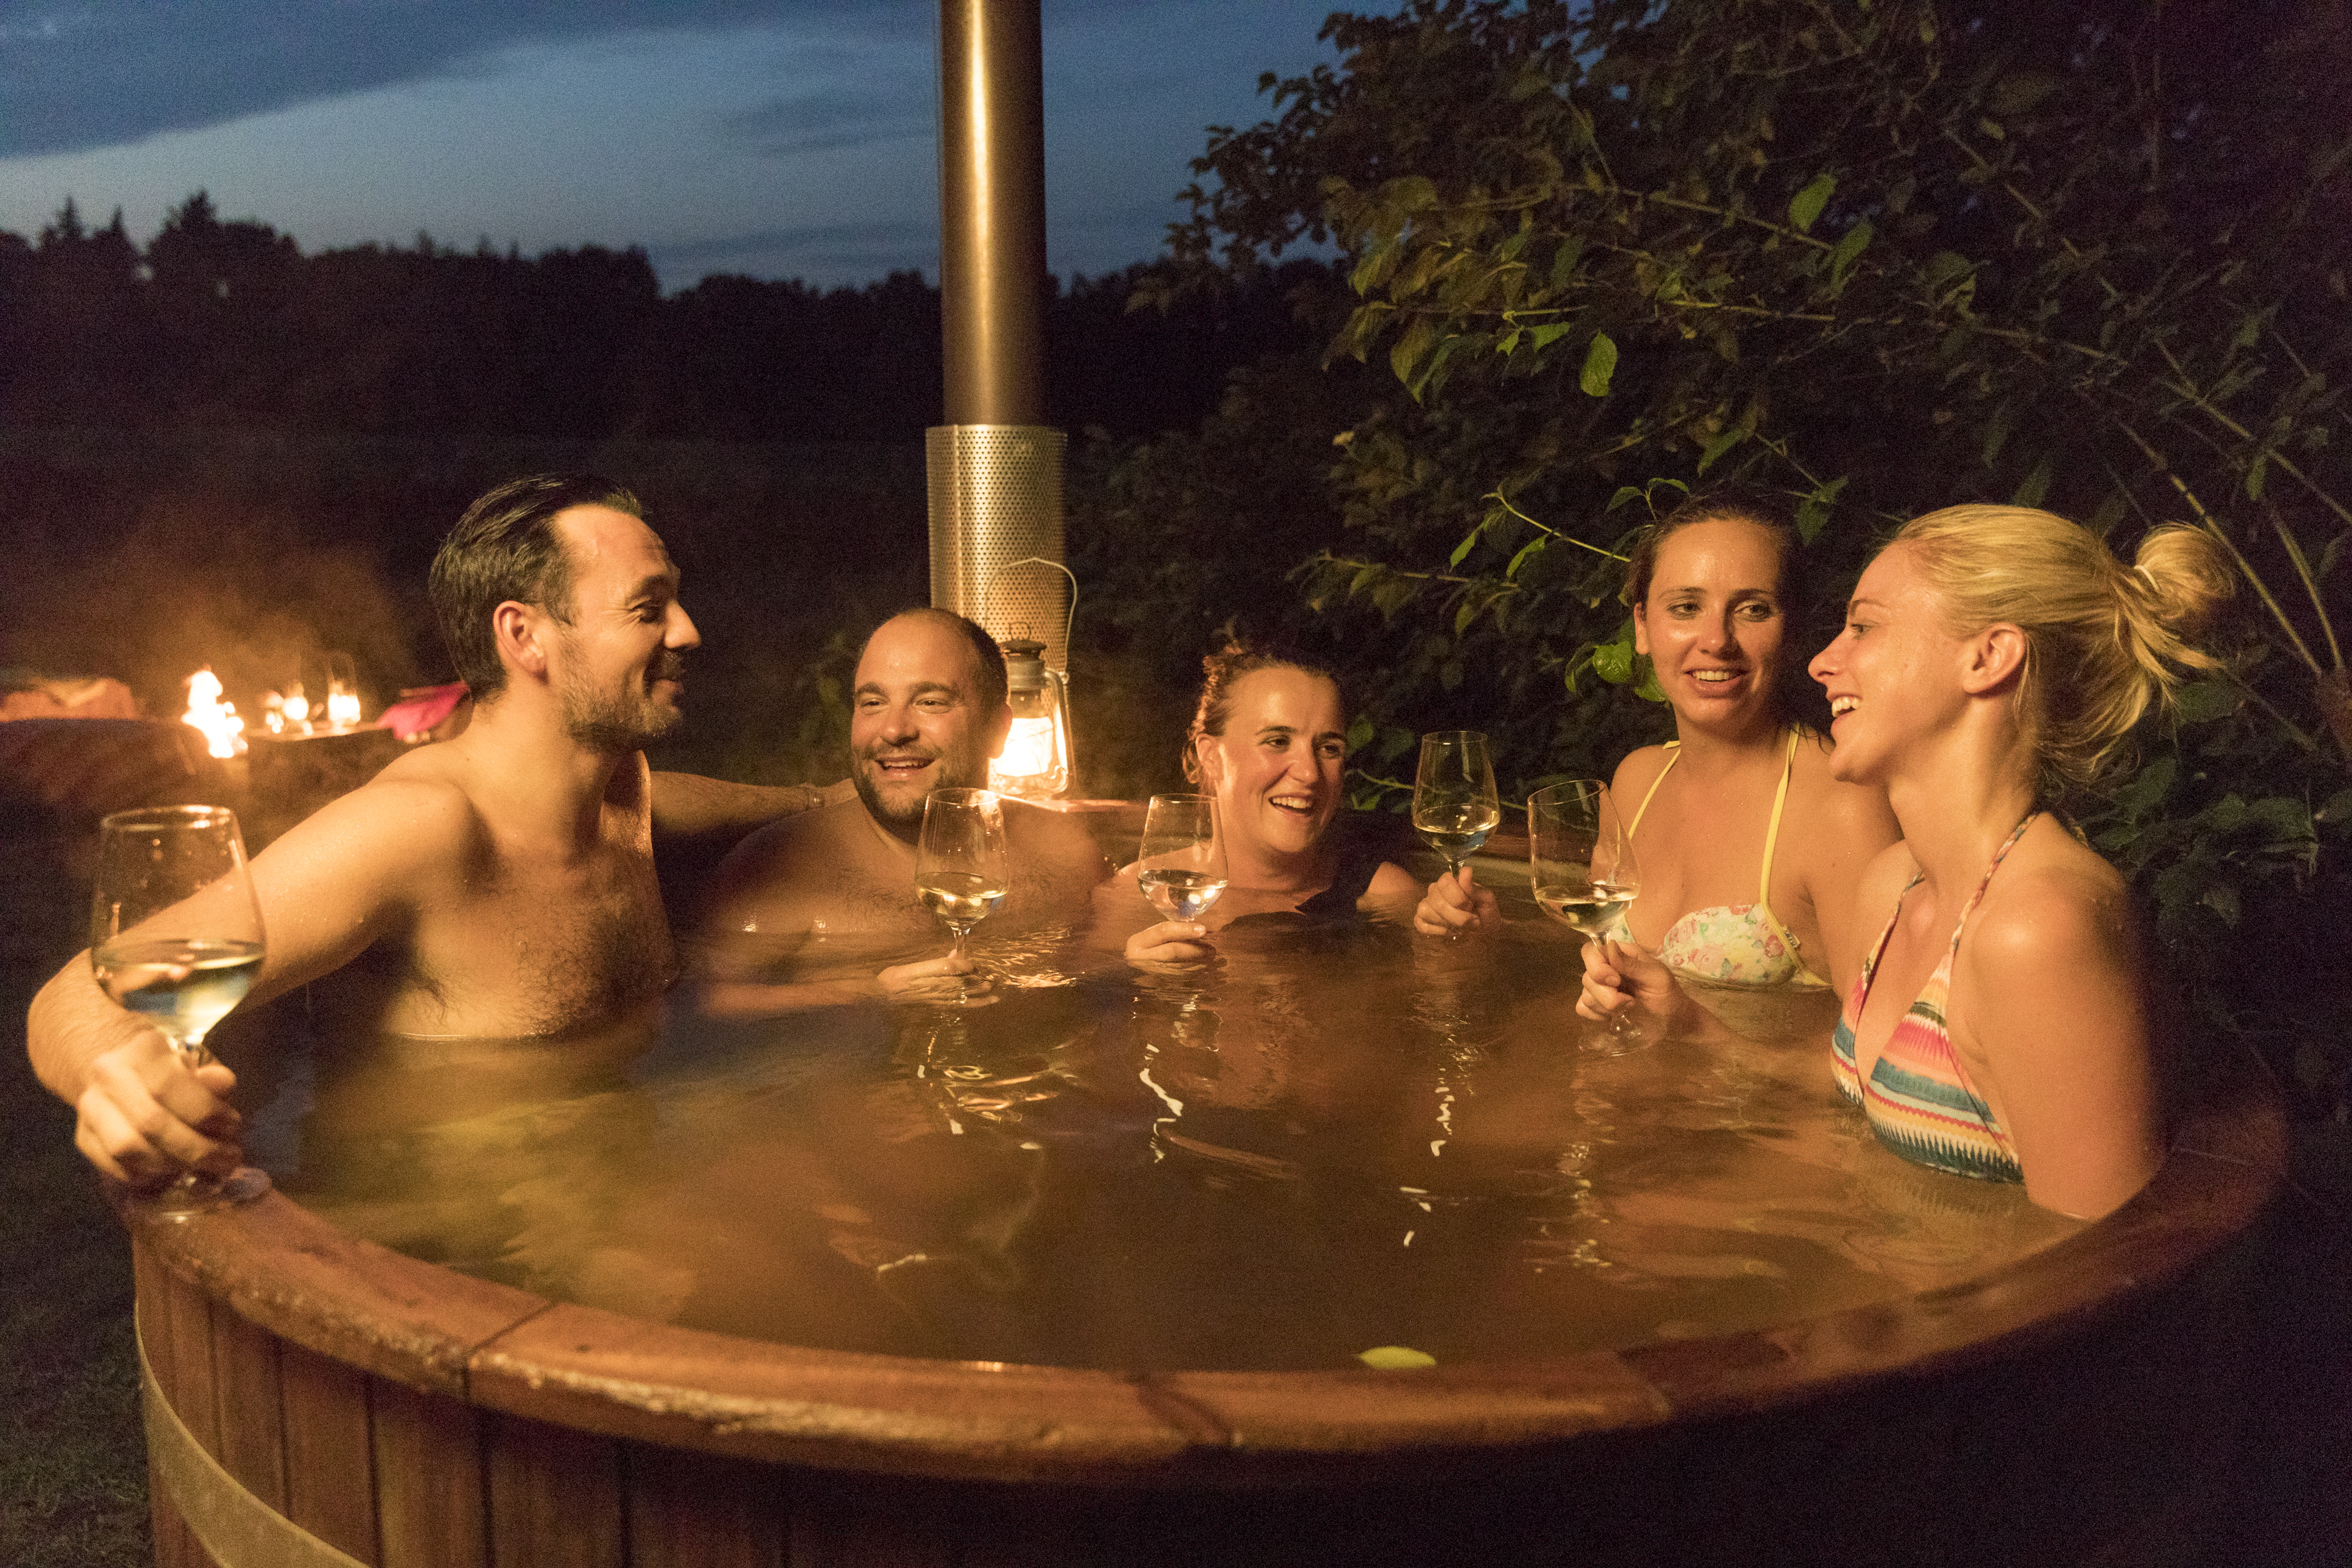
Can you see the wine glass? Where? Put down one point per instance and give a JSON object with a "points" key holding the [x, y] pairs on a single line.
{"points": [[1453, 802], [1581, 863], [175, 937], [961, 871], [1181, 868]]}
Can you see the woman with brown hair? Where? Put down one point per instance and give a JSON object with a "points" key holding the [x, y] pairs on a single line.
{"points": [[1269, 741], [1991, 656], [1749, 846]]}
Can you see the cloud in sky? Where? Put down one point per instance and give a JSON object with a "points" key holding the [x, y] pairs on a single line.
{"points": [[778, 138]]}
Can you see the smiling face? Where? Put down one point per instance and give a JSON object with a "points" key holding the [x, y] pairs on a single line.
{"points": [[620, 672], [1894, 675], [916, 722], [1276, 769], [1712, 621]]}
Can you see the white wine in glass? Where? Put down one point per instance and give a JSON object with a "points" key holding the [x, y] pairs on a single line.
{"points": [[962, 872], [1182, 866], [175, 937], [1580, 862], [1455, 805]]}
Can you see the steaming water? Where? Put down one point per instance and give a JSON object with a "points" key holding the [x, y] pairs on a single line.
{"points": [[1338, 1137]]}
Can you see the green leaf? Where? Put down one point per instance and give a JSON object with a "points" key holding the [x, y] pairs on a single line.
{"points": [[1947, 266], [1613, 661], [1624, 493], [1395, 1358], [2202, 701], [2034, 486], [2257, 474], [1531, 548], [1814, 512], [2337, 809], [1407, 352], [1649, 691], [1807, 204], [1564, 261], [2222, 899], [1600, 365], [1469, 542], [1549, 332], [1849, 249], [1359, 735], [1724, 441]]}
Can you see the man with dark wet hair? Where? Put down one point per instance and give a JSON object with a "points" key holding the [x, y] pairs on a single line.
{"points": [[926, 712], [498, 884]]}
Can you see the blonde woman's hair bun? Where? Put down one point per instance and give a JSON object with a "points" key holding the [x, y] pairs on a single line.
{"points": [[2105, 642]]}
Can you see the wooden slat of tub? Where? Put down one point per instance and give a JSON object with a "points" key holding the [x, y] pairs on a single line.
{"points": [[192, 1389], [279, 1266], [555, 1496], [252, 1431], [330, 1462], [428, 1478], [696, 1511]]}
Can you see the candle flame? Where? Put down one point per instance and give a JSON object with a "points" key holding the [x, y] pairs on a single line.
{"points": [[216, 720]]}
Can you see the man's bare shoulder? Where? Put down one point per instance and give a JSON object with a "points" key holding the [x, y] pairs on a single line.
{"points": [[773, 864], [406, 813]]}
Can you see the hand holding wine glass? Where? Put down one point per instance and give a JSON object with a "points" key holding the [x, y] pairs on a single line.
{"points": [[1581, 863], [962, 872], [1181, 871], [177, 939], [1455, 808]]}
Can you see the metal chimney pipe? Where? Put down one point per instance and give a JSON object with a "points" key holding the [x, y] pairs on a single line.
{"points": [[995, 470]]}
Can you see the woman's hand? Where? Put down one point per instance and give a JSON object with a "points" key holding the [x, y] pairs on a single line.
{"points": [[1618, 976], [1170, 946], [1456, 903], [949, 979]]}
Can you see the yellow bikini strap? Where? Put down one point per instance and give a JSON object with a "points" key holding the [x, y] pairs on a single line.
{"points": [[1772, 828], [1634, 826]]}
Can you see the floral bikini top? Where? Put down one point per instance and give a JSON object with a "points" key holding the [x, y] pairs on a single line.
{"points": [[1739, 944], [1919, 1099]]}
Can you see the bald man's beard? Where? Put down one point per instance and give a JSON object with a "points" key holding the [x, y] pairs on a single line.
{"points": [[619, 723]]}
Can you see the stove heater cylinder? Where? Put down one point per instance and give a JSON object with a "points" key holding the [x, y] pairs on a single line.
{"points": [[994, 469]]}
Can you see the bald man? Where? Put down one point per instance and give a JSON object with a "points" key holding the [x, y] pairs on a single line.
{"points": [[926, 712]]}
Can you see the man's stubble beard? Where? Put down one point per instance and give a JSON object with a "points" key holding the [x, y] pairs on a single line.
{"points": [[971, 775], [619, 725]]}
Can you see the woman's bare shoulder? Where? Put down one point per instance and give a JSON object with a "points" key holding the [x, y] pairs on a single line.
{"points": [[1640, 768]]}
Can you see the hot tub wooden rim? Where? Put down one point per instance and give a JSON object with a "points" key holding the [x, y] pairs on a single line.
{"points": [[279, 1267]]}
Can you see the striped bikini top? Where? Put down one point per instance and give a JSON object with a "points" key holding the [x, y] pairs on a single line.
{"points": [[1919, 1099], [1739, 944]]}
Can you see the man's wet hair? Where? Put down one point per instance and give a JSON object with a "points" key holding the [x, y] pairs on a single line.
{"points": [[986, 657], [506, 547]]}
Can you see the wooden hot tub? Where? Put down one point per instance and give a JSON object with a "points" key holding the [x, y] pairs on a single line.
{"points": [[312, 1399]]}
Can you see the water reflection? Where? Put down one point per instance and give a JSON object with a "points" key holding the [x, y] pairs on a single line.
{"points": [[1333, 1136]]}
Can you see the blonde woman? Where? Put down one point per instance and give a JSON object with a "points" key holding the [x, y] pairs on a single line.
{"points": [[1991, 656]]}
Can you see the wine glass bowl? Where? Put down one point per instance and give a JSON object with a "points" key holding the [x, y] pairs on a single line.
{"points": [[1181, 869], [176, 940], [1580, 861], [1455, 805], [961, 871]]}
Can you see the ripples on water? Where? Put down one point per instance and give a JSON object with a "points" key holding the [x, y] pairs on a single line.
{"points": [[1336, 1137]]}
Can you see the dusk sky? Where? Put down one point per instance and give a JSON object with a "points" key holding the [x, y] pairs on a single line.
{"points": [[777, 138]]}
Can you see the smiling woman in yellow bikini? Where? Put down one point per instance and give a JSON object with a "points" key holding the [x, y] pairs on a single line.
{"points": [[1748, 849], [1992, 656]]}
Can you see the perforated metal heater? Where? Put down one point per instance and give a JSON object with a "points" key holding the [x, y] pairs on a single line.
{"points": [[996, 516]]}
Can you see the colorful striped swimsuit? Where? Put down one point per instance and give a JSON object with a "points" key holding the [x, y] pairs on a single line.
{"points": [[1920, 1100]]}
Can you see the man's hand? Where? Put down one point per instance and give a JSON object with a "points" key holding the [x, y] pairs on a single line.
{"points": [[950, 980], [1170, 947], [145, 1116], [1456, 903]]}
